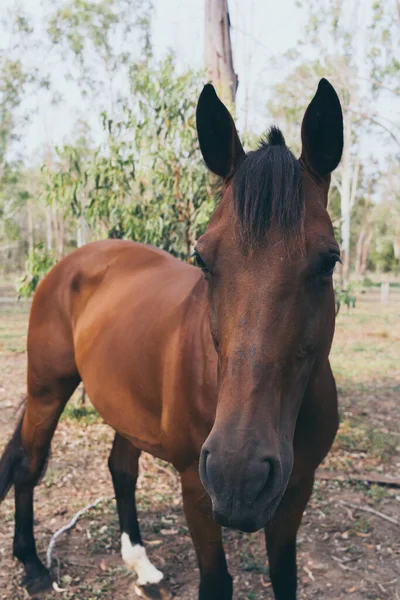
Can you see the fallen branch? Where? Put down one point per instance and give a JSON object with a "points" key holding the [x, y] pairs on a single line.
{"points": [[309, 573], [343, 566], [384, 480], [70, 525], [370, 510]]}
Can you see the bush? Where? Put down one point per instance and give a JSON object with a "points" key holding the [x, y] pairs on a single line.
{"points": [[345, 296], [367, 282], [37, 265]]}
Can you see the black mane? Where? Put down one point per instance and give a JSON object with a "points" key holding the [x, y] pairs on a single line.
{"points": [[267, 189]]}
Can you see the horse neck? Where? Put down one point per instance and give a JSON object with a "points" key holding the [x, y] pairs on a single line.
{"points": [[198, 341]]}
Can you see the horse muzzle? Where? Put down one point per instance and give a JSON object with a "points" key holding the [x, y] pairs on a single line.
{"points": [[245, 491]]}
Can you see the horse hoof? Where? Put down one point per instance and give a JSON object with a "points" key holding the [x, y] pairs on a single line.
{"points": [[40, 584], [153, 591]]}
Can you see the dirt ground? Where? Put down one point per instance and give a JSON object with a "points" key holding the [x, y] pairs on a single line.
{"points": [[344, 551]]}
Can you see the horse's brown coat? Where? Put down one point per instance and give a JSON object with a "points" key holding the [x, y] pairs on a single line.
{"points": [[141, 341]]}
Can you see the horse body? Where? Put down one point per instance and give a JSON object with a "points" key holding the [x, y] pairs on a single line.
{"points": [[140, 340], [226, 376]]}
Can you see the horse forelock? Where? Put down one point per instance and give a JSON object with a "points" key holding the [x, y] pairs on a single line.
{"points": [[267, 190]]}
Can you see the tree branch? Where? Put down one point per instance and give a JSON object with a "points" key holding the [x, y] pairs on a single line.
{"points": [[370, 510], [385, 128], [70, 525]]}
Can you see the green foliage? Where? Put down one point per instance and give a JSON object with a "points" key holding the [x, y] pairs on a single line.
{"points": [[377, 444], [12, 82], [169, 170], [337, 23], [382, 258], [147, 182], [345, 296], [386, 227], [66, 180], [367, 282], [377, 493], [382, 445], [16, 78], [11, 229], [78, 21], [100, 36], [384, 43], [110, 176], [37, 265], [361, 525], [82, 412]]}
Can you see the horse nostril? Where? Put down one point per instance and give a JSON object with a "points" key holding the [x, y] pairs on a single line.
{"points": [[203, 465], [268, 470], [272, 476], [261, 480]]}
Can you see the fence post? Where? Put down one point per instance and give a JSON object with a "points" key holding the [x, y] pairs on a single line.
{"points": [[385, 285]]}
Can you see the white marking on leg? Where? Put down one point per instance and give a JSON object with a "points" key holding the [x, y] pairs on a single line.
{"points": [[135, 557]]}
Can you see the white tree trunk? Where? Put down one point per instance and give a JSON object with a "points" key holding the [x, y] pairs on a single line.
{"points": [[359, 250], [218, 50], [58, 227], [345, 197], [81, 233], [396, 244]]}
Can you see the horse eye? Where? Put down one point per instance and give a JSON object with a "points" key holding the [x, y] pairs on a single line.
{"points": [[199, 262], [328, 265]]}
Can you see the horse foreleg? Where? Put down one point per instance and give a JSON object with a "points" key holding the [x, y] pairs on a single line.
{"points": [[281, 539], [215, 581], [124, 467]]}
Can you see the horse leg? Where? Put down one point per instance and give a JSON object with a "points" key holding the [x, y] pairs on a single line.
{"points": [[123, 463], [315, 431], [215, 581], [281, 539], [31, 444]]}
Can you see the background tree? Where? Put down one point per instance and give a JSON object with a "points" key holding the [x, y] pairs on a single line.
{"points": [[17, 185], [218, 58], [98, 41], [147, 181], [337, 31], [129, 166]]}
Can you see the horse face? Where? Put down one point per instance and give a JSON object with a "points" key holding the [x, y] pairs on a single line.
{"points": [[268, 256]]}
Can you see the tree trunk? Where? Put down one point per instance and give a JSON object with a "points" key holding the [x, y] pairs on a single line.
{"points": [[345, 196], [218, 50], [362, 252], [396, 243], [81, 233], [365, 253], [359, 251], [58, 223]]}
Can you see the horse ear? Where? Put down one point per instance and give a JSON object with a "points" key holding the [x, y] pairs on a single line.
{"points": [[219, 141], [322, 131]]}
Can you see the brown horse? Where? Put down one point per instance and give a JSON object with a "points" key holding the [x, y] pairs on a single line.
{"points": [[226, 374]]}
